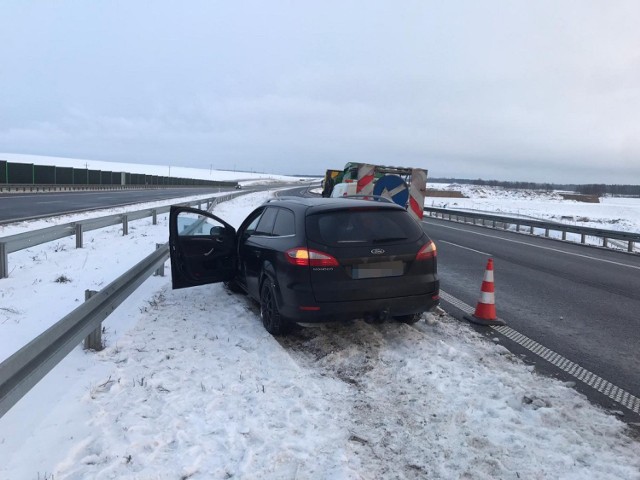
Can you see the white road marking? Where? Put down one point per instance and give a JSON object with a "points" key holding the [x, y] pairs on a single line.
{"points": [[466, 248], [596, 382], [544, 248]]}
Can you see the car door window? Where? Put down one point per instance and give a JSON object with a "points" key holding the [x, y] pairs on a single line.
{"points": [[265, 225], [250, 223], [284, 224], [251, 228], [192, 224]]}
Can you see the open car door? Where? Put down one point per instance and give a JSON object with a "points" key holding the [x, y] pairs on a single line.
{"points": [[202, 248]]}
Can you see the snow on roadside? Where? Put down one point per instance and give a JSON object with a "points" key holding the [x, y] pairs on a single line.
{"points": [[58, 271], [191, 386], [198, 389]]}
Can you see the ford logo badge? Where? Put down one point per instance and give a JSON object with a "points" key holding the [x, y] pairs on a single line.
{"points": [[377, 251]]}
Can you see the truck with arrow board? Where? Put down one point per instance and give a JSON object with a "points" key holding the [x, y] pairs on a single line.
{"points": [[405, 186]]}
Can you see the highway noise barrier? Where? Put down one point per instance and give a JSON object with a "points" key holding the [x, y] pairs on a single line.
{"points": [[485, 313]]}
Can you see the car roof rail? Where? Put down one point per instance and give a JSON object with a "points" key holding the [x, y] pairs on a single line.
{"points": [[284, 197], [368, 197]]}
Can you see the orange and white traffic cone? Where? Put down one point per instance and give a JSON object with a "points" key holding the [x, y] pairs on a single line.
{"points": [[485, 313]]}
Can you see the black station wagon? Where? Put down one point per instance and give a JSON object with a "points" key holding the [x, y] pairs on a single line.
{"points": [[311, 259]]}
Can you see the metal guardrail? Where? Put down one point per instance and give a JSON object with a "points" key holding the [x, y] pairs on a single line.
{"points": [[20, 241], [505, 223], [25, 368]]}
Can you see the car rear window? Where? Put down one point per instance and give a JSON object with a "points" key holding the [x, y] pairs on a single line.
{"points": [[362, 226]]}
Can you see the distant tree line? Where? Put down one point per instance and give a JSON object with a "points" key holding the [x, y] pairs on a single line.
{"points": [[586, 189]]}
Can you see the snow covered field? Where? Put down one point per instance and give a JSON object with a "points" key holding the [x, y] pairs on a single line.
{"points": [[612, 213], [191, 385]]}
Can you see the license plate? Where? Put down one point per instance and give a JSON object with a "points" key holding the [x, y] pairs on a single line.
{"points": [[378, 270]]}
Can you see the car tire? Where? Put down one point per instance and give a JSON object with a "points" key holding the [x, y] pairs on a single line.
{"points": [[409, 319], [273, 322], [232, 286]]}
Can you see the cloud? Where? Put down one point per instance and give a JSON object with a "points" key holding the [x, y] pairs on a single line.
{"points": [[518, 90]]}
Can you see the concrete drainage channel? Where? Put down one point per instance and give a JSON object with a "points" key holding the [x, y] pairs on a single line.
{"points": [[25, 368]]}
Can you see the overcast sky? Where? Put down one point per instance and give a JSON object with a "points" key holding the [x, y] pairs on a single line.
{"points": [[508, 90]]}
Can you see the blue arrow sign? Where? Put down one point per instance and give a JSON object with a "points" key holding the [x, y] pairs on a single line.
{"points": [[392, 187]]}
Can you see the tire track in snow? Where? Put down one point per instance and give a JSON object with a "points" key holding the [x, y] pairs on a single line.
{"points": [[393, 430]]}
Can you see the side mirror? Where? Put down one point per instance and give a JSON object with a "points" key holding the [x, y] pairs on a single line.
{"points": [[216, 231]]}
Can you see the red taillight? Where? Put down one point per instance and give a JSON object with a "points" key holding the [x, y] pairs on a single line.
{"points": [[305, 257], [427, 252]]}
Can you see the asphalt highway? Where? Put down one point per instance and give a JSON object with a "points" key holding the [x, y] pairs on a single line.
{"points": [[581, 302], [20, 206]]}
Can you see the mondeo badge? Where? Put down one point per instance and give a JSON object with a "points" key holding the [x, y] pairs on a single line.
{"points": [[377, 251]]}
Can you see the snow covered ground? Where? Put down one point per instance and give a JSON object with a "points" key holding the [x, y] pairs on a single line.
{"points": [[191, 386], [612, 213]]}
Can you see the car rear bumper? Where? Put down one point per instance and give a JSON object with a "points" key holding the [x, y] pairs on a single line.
{"points": [[376, 308]]}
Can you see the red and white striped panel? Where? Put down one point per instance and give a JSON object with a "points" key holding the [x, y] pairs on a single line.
{"points": [[365, 179], [417, 192]]}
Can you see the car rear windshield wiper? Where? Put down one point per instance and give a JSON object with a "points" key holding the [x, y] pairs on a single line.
{"points": [[388, 239]]}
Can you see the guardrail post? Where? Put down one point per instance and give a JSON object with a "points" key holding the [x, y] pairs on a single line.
{"points": [[546, 232], [583, 238], [493, 224], [604, 242], [531, 232], [4, 261], [160, 270], [518, 228], [78, 235], [154, 216], [564, 235], [125, 225], [630, 247], [93, 341]]}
